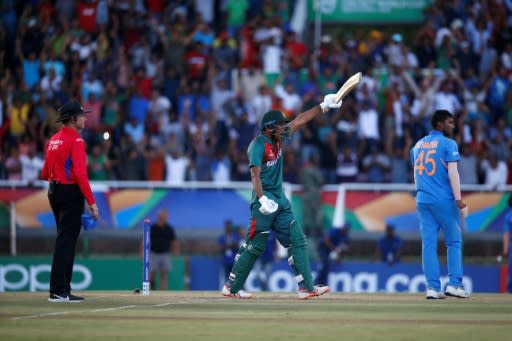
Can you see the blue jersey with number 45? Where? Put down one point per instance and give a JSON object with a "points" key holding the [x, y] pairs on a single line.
{"points": [[430, 157]]}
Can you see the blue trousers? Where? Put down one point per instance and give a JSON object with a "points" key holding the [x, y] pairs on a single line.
{"points": [[509, 282], [445, 216], [325, 265]]}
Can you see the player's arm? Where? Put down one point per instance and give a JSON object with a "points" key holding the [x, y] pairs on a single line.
{"points": [[79, 162], [306, 116], [453, 175], [256, 181], [255, 153]]}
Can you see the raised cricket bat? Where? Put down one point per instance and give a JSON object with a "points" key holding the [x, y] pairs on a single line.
{"points": [[350, 84]]}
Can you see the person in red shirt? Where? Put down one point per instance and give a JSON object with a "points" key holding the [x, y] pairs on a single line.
{"points": [[296, 53], [66, 171], [87, 11], [196, 61]]}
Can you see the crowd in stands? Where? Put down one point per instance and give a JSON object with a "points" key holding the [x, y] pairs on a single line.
{"points": [[177, 88]]}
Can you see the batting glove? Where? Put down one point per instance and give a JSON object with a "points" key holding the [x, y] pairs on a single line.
{"points": [[330, 102], [268, 206]]}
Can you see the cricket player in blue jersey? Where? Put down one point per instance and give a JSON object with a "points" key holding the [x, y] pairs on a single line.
{"points": [[507, 240], [439, 204]]}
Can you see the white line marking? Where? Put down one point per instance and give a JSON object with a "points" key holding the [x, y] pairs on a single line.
{"points": [[69, 312], [28, 317], [114, 308]]}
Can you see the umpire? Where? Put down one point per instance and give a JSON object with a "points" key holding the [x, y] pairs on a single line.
{"points": [[65, 169]]}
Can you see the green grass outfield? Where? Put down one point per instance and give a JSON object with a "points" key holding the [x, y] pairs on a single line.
{"points": [[200, 315]]}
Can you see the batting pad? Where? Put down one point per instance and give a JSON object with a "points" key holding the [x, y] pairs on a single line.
{"points": [[299, 261], [245, 262]]}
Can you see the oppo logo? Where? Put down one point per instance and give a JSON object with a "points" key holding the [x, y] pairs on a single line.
{"points": [[20, 277]]}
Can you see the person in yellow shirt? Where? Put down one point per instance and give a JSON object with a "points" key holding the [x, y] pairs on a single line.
{"points": [[18, 115]]}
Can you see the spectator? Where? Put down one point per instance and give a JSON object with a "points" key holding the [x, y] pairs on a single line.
{"points": [[134, 130], [236, 11], [498, 90], [498, 145], [329, 154], [367, 127], [292, 102], [51, 83], [423, 104], [495, 172], [296, 53], [388, 247], [225, 53], [204, 35], [271, 52], [31, 165], [13, 165], [142, 83], [468, 166], [87, 12], [446, 98], [425, 50], [332, 247], [196, 61], [240, 168], [235, 107], [138, 106], [60, 46], [395, 55], [97, 164], [94, 121], [229, 243], [159, 108], [132, 161], [399, 163], [311, 179], [163, 242], [347, 169], [91, 86], [376, 165], [221, 167], [31, 66], [18, 114], [111, 115], [260, 103], [176, 166], [245, 132]]}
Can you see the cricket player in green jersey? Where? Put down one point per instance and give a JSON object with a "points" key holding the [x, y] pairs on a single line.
{"points": [[270, 209]]}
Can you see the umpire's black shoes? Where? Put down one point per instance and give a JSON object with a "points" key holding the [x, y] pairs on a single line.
{"points": [[64, 298], [74, 298]]}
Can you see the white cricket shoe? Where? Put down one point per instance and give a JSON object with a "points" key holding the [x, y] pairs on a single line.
{"points": [[433, 294], [318, 290], [241, 294], [456, 292]]}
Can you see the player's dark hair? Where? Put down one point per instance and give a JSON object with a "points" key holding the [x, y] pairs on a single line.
{"points": [[440, 116], [510, 200]]}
